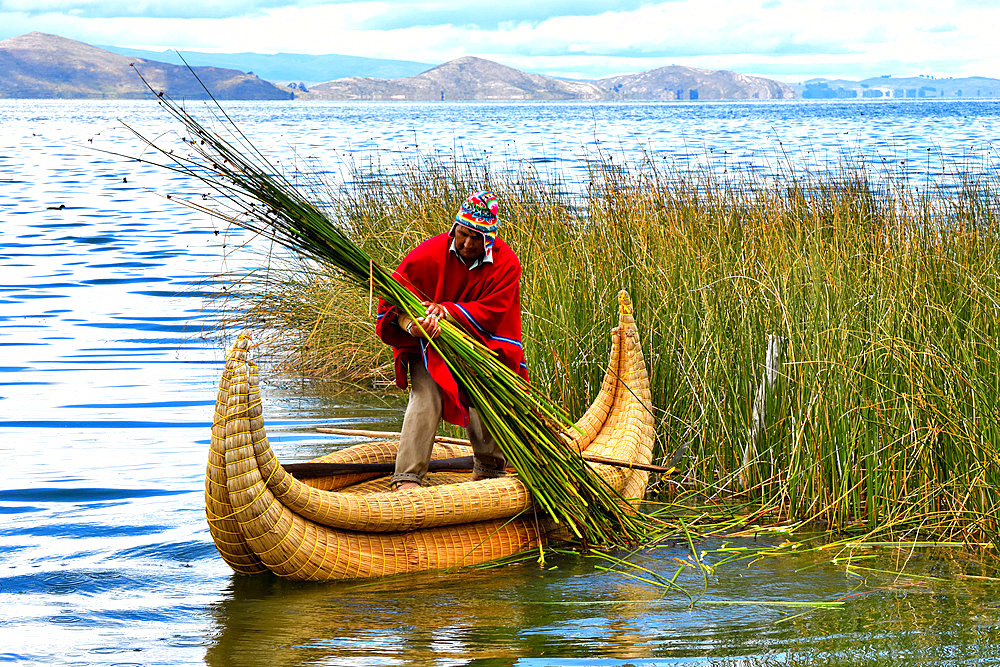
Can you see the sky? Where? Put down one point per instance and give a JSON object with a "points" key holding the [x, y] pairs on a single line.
{"points": [[787, 40]]}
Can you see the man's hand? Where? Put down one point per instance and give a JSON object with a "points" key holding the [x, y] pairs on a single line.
{"points": [[435, 310], [425, 327], [428, 326]]}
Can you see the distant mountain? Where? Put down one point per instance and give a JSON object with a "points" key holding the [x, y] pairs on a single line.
{"points": [[478, 79], [287, 67], [41, 65], [691, 83], [912, 87], [462, 79]]}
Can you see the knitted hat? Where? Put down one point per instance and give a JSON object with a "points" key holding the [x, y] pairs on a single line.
{"points": [[479, 213]]}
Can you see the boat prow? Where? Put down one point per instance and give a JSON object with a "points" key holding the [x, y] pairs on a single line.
{"points": [[265, 520]]}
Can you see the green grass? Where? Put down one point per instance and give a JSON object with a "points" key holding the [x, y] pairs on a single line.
{"points": [[886, 413]]}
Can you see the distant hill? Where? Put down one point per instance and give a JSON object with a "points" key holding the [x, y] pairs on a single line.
{"points": [[287, 67], [478, 79], [38, 65], [41, 65], [462, 79], [691, 83], [913, 87]]}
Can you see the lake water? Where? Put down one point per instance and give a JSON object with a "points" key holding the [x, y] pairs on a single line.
{"points": [[107, 382]]}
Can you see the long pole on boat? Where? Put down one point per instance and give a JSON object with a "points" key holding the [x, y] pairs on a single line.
{"points": [[465, 462]]}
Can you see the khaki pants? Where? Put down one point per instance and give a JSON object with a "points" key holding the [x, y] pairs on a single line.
{"points": [[423, 413]]}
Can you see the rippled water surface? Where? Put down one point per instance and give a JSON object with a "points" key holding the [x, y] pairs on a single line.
{"points": [[107, 384]]}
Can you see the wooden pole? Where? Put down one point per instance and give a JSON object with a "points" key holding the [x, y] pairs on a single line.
{"points": [[391, 435], [774, 359], [388, 435]]}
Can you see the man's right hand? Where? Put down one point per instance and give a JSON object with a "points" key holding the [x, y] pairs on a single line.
{"points": [[425, 327]]}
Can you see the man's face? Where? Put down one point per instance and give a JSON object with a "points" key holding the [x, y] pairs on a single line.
{"points": [[468, 243]]}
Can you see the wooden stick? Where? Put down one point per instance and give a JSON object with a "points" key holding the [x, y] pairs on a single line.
{"points": [[458, 441], [388, 435], [627, 464], [317, 469]]}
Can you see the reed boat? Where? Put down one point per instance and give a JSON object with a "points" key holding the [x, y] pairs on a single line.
{"points": [[343, 526]]}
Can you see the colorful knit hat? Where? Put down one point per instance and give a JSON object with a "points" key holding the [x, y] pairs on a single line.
{"points": [[479, 213]]}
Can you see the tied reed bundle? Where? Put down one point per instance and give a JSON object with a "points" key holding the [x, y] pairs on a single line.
{"points": [[530, 429]]}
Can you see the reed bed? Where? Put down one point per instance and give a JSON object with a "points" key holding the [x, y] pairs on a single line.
{"points": [[883, 302]]}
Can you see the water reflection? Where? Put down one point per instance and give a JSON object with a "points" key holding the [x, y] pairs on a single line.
{"points": [[506, 614], [575, 614]]}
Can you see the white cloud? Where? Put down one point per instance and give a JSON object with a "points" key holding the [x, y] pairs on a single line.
{"points": [[829, 37], [148, 8]]}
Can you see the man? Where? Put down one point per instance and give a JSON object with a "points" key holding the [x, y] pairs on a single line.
{"points": [[471, 278]]}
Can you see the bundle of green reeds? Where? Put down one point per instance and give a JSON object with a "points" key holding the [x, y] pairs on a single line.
{"points": [[531, 429]]}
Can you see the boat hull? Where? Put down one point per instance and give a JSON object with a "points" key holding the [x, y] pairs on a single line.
{"points": [[263, 520]]}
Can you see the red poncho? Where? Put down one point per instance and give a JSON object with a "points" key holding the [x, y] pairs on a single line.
{"points": [[486, 300]]}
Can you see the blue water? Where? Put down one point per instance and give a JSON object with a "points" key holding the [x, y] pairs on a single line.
{"points": [[108, 372]]}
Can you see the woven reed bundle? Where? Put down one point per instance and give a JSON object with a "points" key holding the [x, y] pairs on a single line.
{"points": [[224, 528], [292, 546], [633, 432], [300, 531], [381, 451]]}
